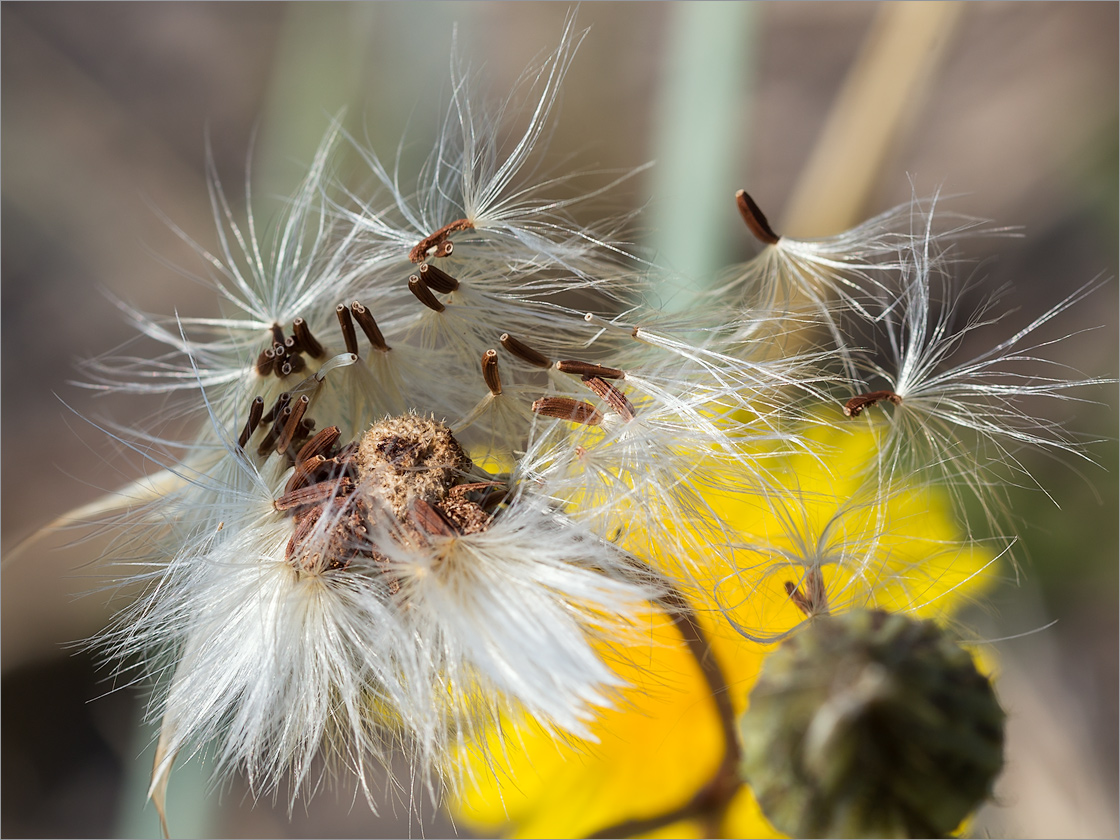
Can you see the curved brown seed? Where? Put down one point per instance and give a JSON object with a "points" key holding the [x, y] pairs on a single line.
{"points": [[578, 368], [565, 408], [755, 219], [490, 372], [524, 352]]}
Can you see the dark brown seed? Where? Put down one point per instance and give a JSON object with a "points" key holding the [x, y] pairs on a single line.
{"points": [[305, 523], [488, 494], [256, 411], [578, 368], [292, 424], [313, 494], [423, 294], [304, 472], [565, 408], [755, 219], [431, 520], [278, 406], [320, 444], [524, 352], [265, 361], [438, 279], [347, 324], [473, 486], [306, 340], [274, 431], [490, 372], [611, 396], [855, 406], [369, 326], [277, 334]]}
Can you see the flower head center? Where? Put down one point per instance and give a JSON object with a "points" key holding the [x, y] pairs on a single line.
{"points": [[405, 479]]}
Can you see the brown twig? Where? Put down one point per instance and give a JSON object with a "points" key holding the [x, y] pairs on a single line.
{"points": [[711, 801]]}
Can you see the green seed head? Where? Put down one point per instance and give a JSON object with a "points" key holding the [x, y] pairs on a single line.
{"points": [[871, 724]]}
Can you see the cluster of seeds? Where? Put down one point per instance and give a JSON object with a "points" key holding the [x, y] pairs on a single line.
{"points": [[529, 456]]}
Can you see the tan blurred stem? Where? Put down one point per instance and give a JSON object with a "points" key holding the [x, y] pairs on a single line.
{"points": [[874, 109], [711, 801]]}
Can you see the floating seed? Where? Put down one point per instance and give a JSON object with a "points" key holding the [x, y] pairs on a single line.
{"points": [[565, 408], [438, 279], [855, 406], [814, 601], [524, 352], [579, 368], [347, 324], [369, 326], [437, 244], [256, 409], [423, 294], [490, 372], [755, 219], [306, 340], [612, 396]]}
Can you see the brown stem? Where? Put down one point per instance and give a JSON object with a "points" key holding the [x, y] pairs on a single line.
{"points": [[711, 801]]}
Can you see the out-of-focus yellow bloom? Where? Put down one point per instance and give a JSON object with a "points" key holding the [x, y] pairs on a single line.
{"points": [[662, 742]]}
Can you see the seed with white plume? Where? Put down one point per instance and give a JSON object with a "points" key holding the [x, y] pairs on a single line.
{"points": [[377, 590]]}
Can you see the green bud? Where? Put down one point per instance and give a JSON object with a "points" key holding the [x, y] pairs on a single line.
{"points": [[871, 724]]}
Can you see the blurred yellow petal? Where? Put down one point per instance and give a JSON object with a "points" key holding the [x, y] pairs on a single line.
{"points": [[663, 741]]}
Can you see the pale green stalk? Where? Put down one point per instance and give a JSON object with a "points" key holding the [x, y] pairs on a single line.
{"points": [[700, 131]]}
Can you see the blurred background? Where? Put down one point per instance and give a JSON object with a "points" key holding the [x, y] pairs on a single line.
{"points": [[825, 112]]}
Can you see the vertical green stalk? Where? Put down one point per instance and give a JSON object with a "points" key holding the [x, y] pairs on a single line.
{"points": [[699, 139], [191, 802]]}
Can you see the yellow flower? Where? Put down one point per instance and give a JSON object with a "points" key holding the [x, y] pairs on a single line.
{"points": [[663, 740]]}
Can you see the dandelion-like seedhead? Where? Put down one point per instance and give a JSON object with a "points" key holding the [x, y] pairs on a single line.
{"points": [[961, 415], [454, 476]]}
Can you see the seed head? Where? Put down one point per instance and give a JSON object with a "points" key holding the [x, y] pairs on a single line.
{"points": [[871, 724]]}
